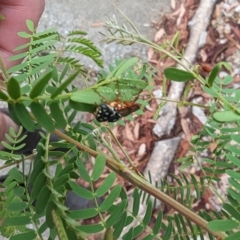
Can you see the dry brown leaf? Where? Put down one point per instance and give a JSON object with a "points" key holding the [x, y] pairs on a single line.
{"points": [[176, 13], [203, 55], [236, 32], [181, 14], [233, 5], [173, 4], [115, 131], [136, 130], [142, 150], [185, 128], [129, 133], [218, 11], [150, 53], [160, 33]]}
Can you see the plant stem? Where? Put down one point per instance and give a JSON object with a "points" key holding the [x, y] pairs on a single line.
{"points": [[140, 182]]}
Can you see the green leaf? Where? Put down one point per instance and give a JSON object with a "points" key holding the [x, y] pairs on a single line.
{"points": [[236, 138], [234, 236], [185, 165], [83, 214], [43, 66], [17, 206], [82, 170], [121, 68], [178, 75], [226, 116], [98, 167], [108, 202], [168, 232], [67, 170], [233, 174], [19, 191], [210, 91], [57, 114], [118, 226], [42, 199], [214, 73], [91, 228], [42, 116], [137, 231], [127, 89], [7, 146], [233, 211], [136, 202], [129, 234], [13, 88], [9, 187], [24, 236], [17, 221], [18, 67], [61, 180], [38, 185], [158, 223], [119, 209], [91, 142], [233, 159], [88, 97], [14, 173], [49, 218], [64, 85], [148, 213], [26, 45], [83, 107], [106, 185], [80, 191], [24, 117], [40, 84], [38, 167], [3, 96], [233, 149], [234, 194], [30, 25], [222, 225], [18, 56], [24, 34], [227, 80]]}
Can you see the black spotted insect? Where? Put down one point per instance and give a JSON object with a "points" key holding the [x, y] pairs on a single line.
{"points": [[113, 111]]}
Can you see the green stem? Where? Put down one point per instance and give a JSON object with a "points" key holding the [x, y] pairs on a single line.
{"points": [[181, 102], [140, 182], [124, 152]]}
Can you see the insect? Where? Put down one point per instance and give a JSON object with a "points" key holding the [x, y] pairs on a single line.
{"points": [[113, 111]]}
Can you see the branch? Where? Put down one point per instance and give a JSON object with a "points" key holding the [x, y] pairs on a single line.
{"points": [[141, 183]]}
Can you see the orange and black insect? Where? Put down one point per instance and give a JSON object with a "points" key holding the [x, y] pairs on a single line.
{"points": [[113, 111]]}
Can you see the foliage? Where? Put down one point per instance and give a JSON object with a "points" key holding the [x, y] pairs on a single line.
{"points": [[40, 93]]}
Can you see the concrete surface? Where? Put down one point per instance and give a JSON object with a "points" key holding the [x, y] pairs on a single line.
{"points": [[87, 15]]}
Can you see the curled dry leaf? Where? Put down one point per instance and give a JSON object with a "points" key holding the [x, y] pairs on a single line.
{"points": [[136, 130], [181, 14], [160, 33], [129, 133], [142, 150], [203, 55], [173, 4], [150, 53]]}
